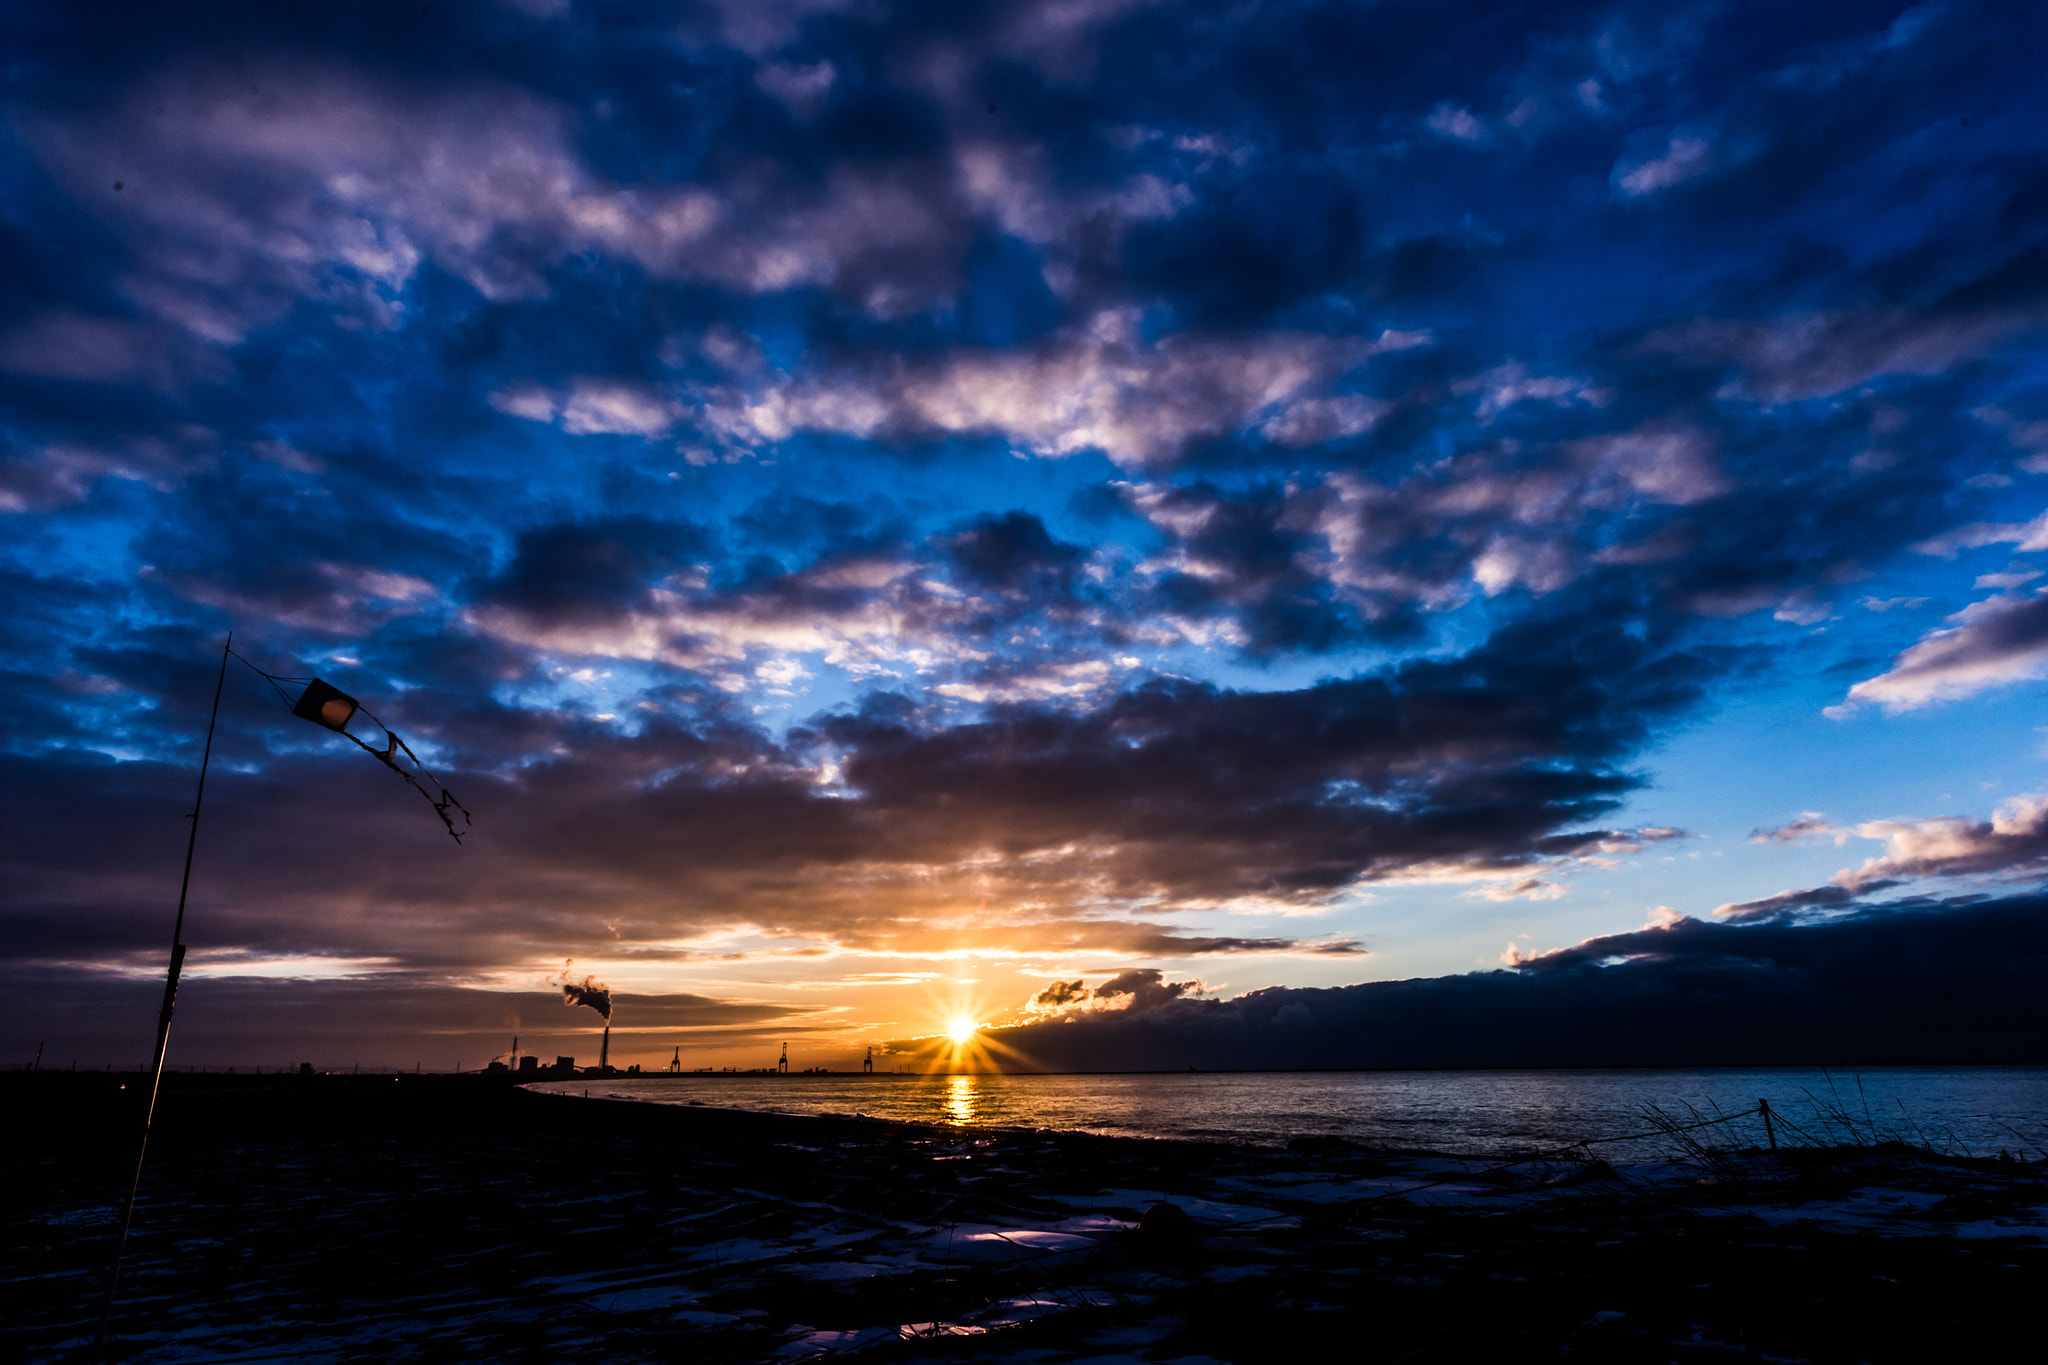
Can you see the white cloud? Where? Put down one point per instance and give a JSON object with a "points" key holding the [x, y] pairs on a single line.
{"points": [[801, 89], [596, 406], [2013, 842], [1010, 183], [1994, 642], [1521, 888], [1100, 386], [256, 185], [871, 616], [1054, 34], [2031, 437], [760, 26], [1312, 421], [260, 184], [1456, 122], [593, 407], [1072, 681], [1520, 519], [525, 400], [1538, 565], [1506, 385], [1802, 608], [1811, 355], [326, 595], [1811, 824], [2027, 535], [1682, 159], [1676, 466], [62, 474]]}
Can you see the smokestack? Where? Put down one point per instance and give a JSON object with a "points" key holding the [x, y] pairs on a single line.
{"points": [[595, 994]]}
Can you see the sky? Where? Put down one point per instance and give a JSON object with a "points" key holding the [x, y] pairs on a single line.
{"points": [[1102, 520]]}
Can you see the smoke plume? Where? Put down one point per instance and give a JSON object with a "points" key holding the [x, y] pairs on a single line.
{"points": [[589, 991]]}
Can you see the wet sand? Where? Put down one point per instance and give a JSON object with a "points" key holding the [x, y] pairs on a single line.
{"points": [[440, 1219]]}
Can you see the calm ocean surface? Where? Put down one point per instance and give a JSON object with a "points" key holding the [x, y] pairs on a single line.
{"points": [[1973, 1109]]}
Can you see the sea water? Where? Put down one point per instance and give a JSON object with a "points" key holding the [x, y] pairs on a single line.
{"points": [[1971, 1110]]}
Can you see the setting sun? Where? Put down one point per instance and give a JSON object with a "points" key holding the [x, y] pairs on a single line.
{"points": [[960, 1030]]}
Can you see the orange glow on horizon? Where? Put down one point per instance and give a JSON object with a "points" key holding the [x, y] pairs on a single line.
{"points": [[963, 1010]]}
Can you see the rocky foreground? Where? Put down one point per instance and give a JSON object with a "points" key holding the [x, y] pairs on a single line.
{"points": [[435, 1219]]}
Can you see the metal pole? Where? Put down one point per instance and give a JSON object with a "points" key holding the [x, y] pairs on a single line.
{"points": [[163, 1019]]}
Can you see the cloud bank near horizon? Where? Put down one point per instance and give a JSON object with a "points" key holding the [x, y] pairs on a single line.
{"points": [[1918, 981]]}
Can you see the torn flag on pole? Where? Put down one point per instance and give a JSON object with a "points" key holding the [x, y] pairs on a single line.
{"points": [[327, 705], [333, 709]]}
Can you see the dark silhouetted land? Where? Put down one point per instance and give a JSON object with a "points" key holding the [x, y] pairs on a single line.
{"points": [[435, 1219]]}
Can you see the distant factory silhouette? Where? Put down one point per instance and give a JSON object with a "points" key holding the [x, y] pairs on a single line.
{"points": [[516, 1063]]}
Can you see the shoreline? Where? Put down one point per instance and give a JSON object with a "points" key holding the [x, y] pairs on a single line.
{"points": [[357, 1218], [769, 1074], [1478, 1114]]}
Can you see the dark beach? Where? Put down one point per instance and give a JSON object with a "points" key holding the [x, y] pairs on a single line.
{"points": [[429, 1219]]}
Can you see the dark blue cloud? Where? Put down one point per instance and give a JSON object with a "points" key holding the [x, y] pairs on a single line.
{"points": [[1924, 982], [592, 570]]}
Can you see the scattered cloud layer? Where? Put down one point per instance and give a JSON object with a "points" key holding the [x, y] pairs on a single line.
{"points": [[1028, 482], [2010, 846]]}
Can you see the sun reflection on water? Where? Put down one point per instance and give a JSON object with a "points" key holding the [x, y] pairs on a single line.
{"points": [[957, 1103]]}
